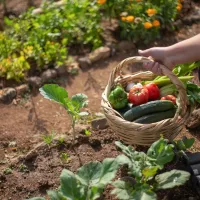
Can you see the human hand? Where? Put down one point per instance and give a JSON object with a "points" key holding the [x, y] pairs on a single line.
{"points": [[159, 55]]}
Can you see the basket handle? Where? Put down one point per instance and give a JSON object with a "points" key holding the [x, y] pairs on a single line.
{"points": [[183, 100]]}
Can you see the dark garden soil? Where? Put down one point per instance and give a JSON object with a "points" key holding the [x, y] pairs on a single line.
{"points": [[36, 166]]}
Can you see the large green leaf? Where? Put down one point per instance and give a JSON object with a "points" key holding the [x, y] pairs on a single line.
{"points": [[55, 93], [161, 152], [149, 172], [171, 179], [70, 187], [95, 176], [138, 160], [108, 170], [80, 100], [144, 195], [126, 191], [54, 195], [89, 174], [123, 190], [37, 198]]}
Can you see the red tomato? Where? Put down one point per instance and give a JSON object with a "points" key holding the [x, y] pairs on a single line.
{"points": [[154, 92], [170, 98], [138, 95]]}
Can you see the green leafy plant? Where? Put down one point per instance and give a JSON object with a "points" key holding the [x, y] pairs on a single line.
{"points": [[73, 105], [144, 168], [88, 183], [43, 39], [90, 180]]}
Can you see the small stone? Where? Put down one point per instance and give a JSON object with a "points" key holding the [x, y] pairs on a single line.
{"points": [[99, 123], [7, 95], [61, 70], [126, 46], [48, 74], [14, 102], [35, 81], [22, 89], [84, 62], [12, 144], [99, 54]]}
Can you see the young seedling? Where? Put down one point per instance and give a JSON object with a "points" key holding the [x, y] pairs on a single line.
{"points": [[88, 132], [48, 139], [7, 171], [64, 157], [73, 105]]}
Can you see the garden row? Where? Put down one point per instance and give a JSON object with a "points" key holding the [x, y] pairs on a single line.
{"points": [[36, 40]]}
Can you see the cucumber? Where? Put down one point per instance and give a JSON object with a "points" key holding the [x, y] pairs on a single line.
{"points": [[156, 117], [148, 108]]}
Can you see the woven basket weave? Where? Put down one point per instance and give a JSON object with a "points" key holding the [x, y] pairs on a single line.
{"points": [[144, 134]]}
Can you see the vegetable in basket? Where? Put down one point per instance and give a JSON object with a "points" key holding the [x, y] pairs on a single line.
{"points": [[138, 95], [149, 108], [154, 92], [118, 98]]}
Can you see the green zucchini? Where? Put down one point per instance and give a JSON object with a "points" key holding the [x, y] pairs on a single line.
{"points": [[147, 108], [156, 117]]}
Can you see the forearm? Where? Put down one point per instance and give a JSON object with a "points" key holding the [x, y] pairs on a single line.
{"points": [[185, 51]]}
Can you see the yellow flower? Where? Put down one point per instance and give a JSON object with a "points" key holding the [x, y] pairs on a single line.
{"points": [[179, 7], [151, 12], [156, 23], [123, 18], [147, 25], [130, 18], [101, 1]]}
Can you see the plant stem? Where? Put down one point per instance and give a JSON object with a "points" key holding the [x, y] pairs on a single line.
{"points": [[73, 128]]}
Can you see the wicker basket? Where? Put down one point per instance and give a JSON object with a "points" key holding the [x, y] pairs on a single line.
{"points": [[144, 134]]}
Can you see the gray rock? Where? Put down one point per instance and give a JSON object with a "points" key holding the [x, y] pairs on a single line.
{"points": [[48, 74], [22, 89], [99, 54], [84, 62], [7, 95], [61, 70], [35, 81], [99, 124], [126, 46]]}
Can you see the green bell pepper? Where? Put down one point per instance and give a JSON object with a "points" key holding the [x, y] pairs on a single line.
{"points": [[118, 98]]}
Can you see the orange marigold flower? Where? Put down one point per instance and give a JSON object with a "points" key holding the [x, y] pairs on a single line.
{"points": [[179, 7], [101, 1], [151, 12], [156, 23], [148, 25], [138, 0], [123, 18], [180, 1], [130, 18]]}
